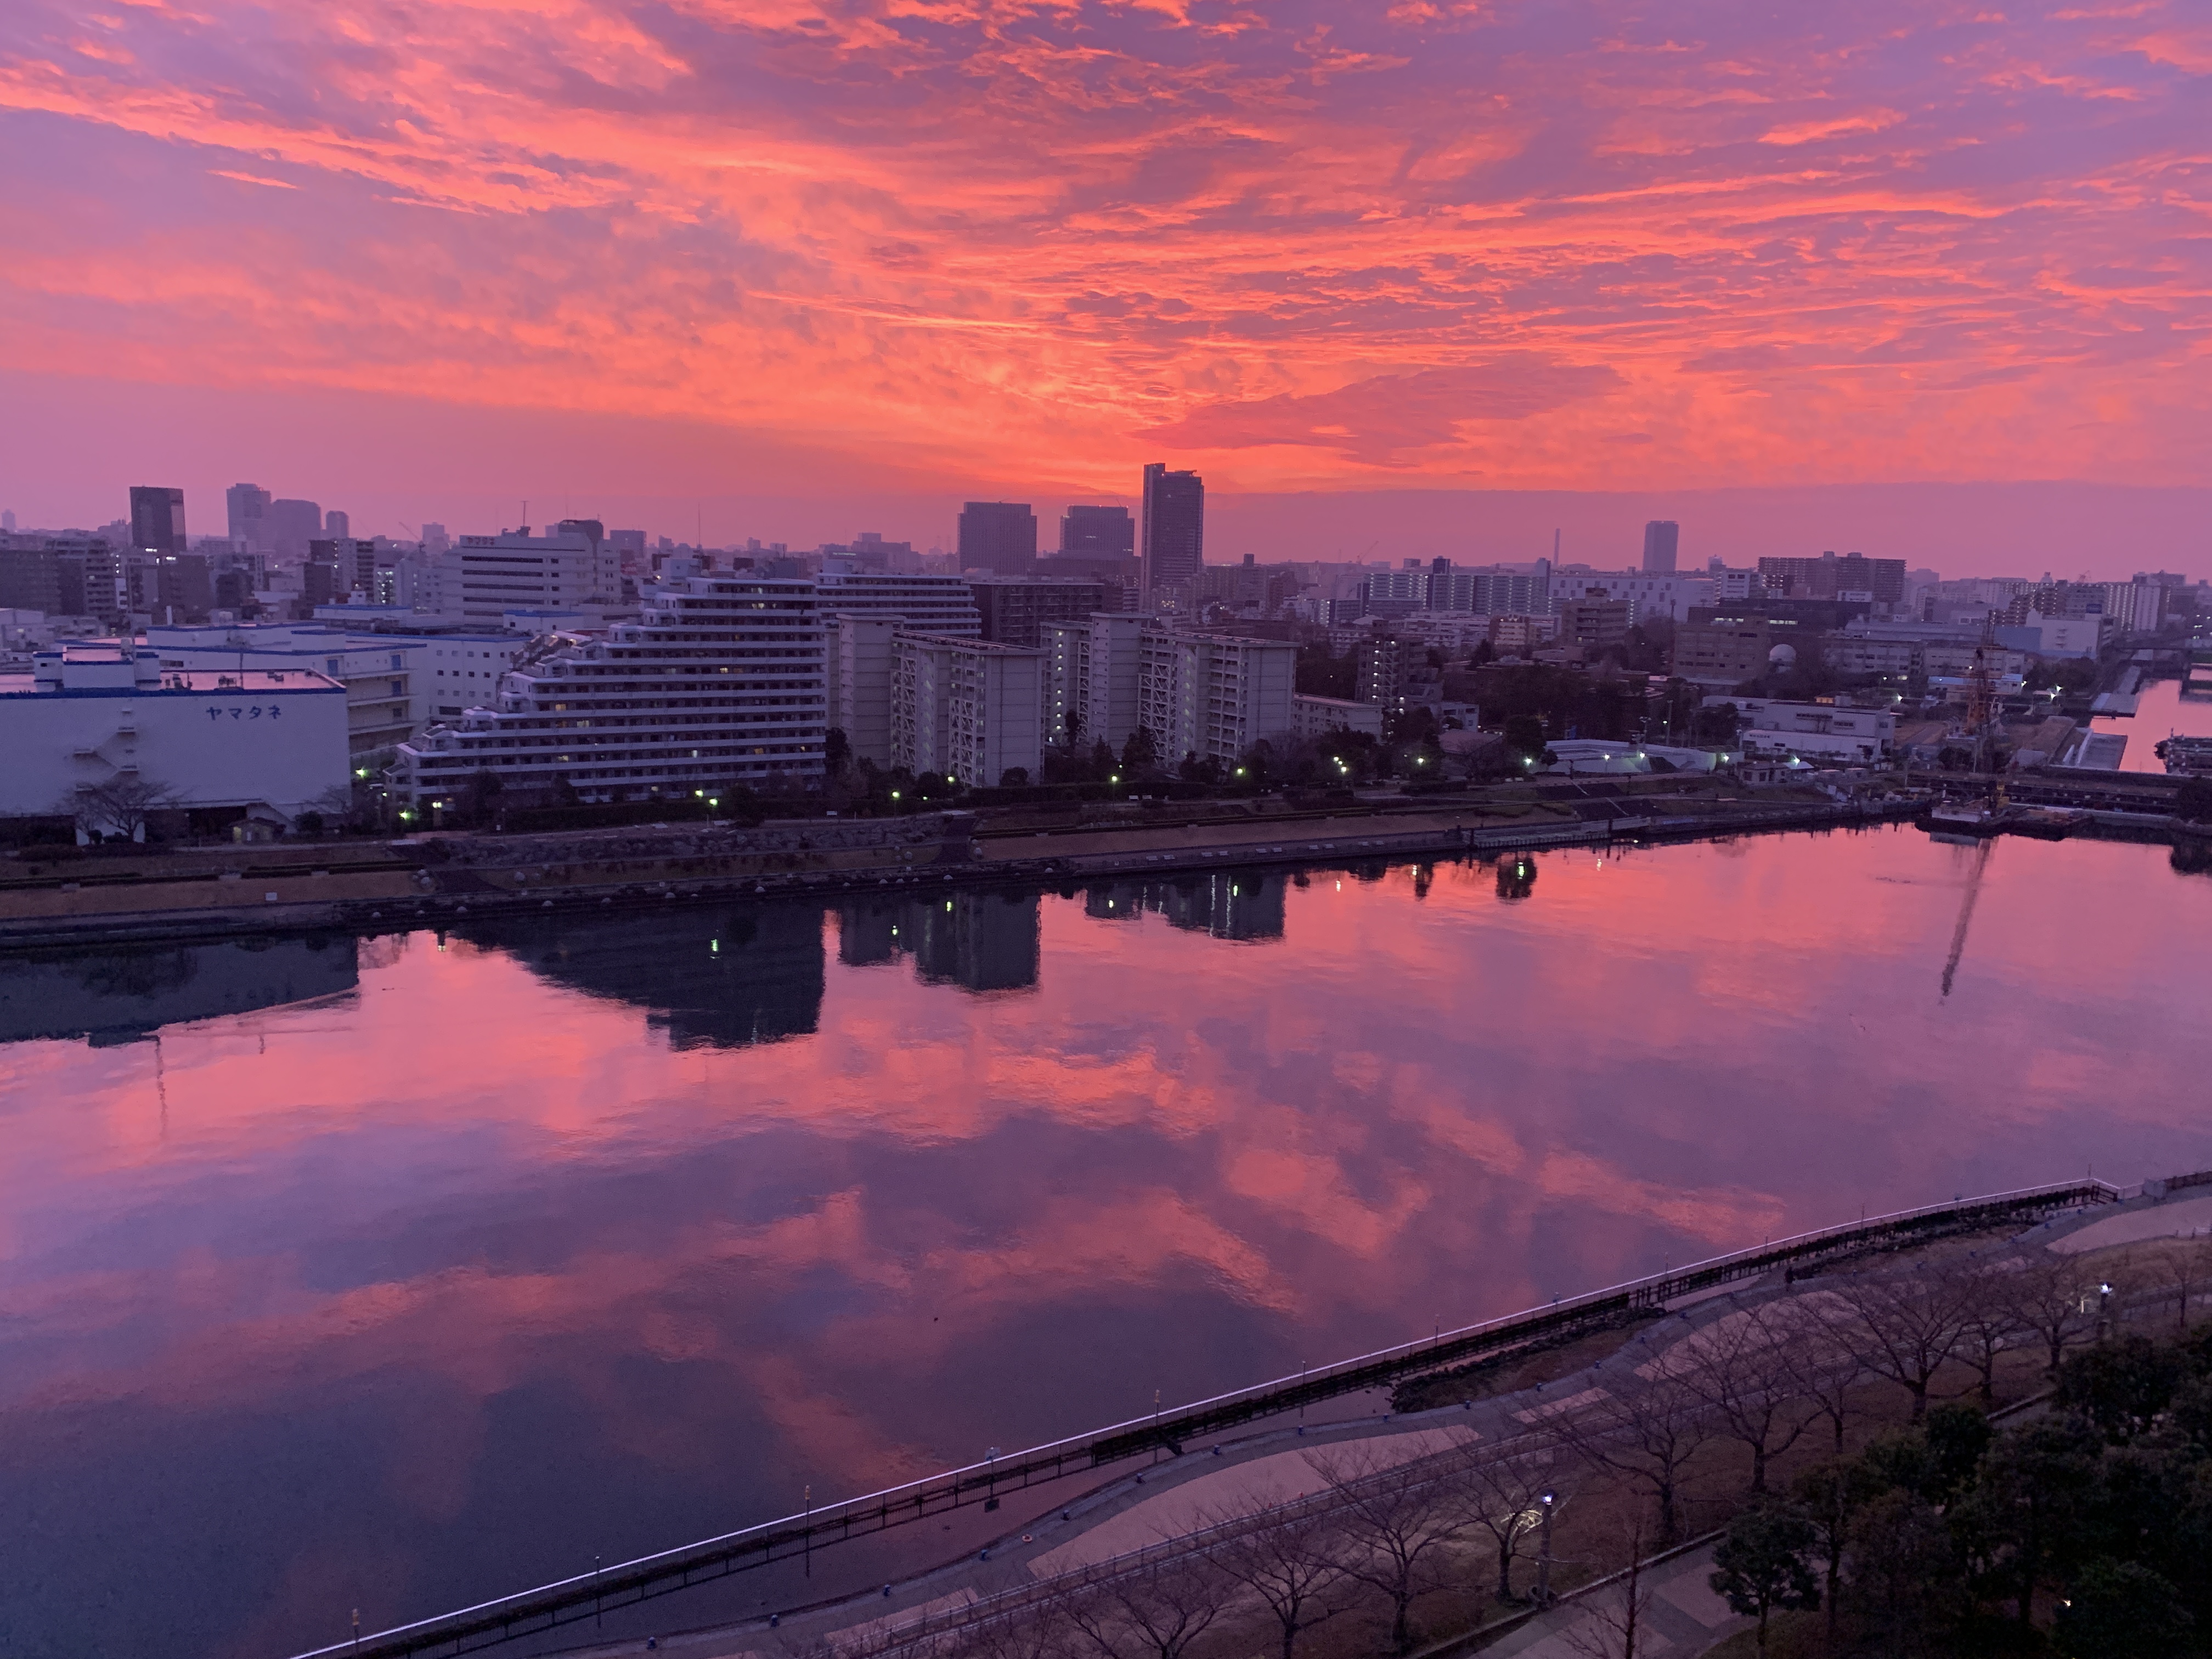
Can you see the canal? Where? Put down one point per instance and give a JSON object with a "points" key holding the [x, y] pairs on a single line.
{"points": [[388, 1275]]}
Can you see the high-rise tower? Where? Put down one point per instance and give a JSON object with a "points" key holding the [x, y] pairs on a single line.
{"points": [[157, 520], [999, 537], [1174, 526], [1660, 538]]}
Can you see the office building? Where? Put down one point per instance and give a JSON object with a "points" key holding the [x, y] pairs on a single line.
{"points": [[998, 536], [1517, 634], [31, 579], [337, 526], [247, 507], [720, 681], [157, 521], [1852, 577], [1661, 539], [562, 569], [1093, 668], [1016, 609], [1173, 526], [183, 589], [968, 709], [266, 746], [1099, 532], [1213, 695], [290, 525], [928, 605], [1595, 622]]}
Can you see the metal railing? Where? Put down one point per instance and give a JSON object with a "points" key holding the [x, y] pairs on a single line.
{"points": [[546, 1606]]}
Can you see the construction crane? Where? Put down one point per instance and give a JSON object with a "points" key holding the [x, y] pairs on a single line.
{"points": [[1981, 694]]}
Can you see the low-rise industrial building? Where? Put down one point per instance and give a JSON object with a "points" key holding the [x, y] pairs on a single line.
{"points": [[261, 745], [1316, 717]]}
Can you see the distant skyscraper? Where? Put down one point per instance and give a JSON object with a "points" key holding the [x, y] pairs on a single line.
{"points": [[249, 508], [434, 539], [1174, 525], [8, 522], [1106, 532], [1660, 538], [157, 520], [998, 536], [291, 524], [337, 525]]}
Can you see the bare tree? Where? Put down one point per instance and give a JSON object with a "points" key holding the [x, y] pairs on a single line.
{"points": [[1504, 1497], [1988, 1323], [1294, 1568], [1740, 1366], [1827, 1366], [1160, 1609], [1614, 1615], [121, 807], [1397, 1520], [2054, 1297], [2183, 1270], [1646, 1431], [1906, 1322], [1035, 1630]]}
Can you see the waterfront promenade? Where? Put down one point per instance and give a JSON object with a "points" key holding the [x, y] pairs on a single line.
{"points": [[1192, 1442], [1183, 1506]]}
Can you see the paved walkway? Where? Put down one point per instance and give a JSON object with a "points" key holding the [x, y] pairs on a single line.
{"points": [[2176, 1218], [1683, 1615]]}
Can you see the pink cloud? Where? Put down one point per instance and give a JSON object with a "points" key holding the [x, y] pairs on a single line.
{"points": [[905, 236], [1379, 419]]}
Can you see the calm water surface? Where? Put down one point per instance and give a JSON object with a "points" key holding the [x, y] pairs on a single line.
{"points": [[2160, 711], [392, 1276]]}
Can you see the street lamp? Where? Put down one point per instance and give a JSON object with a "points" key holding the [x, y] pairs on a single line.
{"points": [[1550, 1501]]}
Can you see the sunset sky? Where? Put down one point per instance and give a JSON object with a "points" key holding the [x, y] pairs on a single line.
{"points": [[792, 269]]}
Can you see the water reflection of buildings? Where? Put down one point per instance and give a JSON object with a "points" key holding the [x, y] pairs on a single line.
{"points": [[1239, 904], [711, 976], [124, 995], [979, 941]]}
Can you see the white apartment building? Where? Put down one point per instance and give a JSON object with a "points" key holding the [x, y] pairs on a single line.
{"points": [[970, 709], [265, 743], [383, 676], [859, 670], [1213, 695], [1094, 667], [485, 575], [719, 682], [1670, 595], [926, 605]]}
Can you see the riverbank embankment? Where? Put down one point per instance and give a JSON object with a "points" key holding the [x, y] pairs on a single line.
{"points": [[56, 897]]}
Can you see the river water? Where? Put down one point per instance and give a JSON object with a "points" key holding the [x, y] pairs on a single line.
{"points": [[392, 1276]]}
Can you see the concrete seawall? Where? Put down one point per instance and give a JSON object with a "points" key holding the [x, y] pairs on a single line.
{"points": [[420, 891]]}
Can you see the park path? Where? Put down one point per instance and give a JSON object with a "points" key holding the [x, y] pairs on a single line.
{"points": [[1684, 1616]]}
